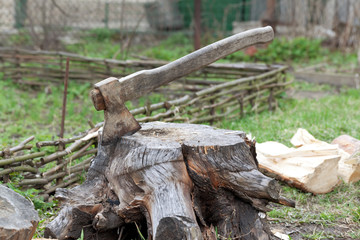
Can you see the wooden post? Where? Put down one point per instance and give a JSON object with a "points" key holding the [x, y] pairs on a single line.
{"points": [[66, 78], [197, 24], [61, 135]]}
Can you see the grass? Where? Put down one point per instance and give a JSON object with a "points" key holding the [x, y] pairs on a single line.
{"points": [[25, 111], [326, 118], [327, 214]]}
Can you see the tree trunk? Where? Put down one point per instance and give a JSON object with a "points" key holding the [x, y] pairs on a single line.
{"points": [[170, 181], [18, 218]]}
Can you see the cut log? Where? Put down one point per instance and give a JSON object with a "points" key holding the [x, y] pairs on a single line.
{"points": [[18, 217], [349, 164], [311, 168], [170, 181]]}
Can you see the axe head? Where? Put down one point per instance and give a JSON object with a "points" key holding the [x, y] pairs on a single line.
{"points": [[118, 121]]}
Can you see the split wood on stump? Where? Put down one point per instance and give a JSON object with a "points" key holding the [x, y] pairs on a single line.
{"points": [[18, 217], [170, 181]]}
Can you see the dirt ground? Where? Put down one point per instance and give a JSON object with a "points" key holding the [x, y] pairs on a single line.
{"points": [[299, 231]]}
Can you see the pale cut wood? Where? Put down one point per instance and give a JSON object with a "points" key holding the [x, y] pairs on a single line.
{"points": [[18, 217], [303, 137], [175, 181], [349, 165], [312, 168]]}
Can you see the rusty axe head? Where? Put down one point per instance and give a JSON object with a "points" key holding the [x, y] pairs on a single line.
{"points": [[118, 121]]}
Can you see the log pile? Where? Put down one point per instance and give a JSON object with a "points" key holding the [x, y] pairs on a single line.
{"points": [[170, 181], [312, 165]]}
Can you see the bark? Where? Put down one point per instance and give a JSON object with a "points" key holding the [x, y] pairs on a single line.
{"points": [[175, 181]]}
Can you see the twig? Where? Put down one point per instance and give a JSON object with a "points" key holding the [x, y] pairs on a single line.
{"points": [[67, 161], [80, 166], [76, 145], [82, 150], [23, 168], [88, 152], [70, 181], [8, 161], [91, 124], [36, 181], [158, 106], [17, 148], [60, 141]]}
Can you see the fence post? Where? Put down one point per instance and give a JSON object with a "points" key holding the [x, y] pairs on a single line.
{"points": [[20, 13], [61, 135], [197, 25], [106, 17]]}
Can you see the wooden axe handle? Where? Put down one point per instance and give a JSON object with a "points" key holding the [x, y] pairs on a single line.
{"points": [[142, 82]]}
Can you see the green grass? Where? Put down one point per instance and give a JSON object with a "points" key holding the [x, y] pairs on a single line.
{"points": [[25, 111], [323, 212], [172, 48], [326, 118]]}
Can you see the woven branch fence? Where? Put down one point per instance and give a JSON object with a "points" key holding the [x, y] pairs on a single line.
{"points": [[206, 96]]}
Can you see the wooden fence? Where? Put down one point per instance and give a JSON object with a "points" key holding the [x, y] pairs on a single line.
{"points": [[210, 94]]}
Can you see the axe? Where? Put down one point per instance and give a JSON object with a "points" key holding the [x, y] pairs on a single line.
{"points": [[111, 94]]}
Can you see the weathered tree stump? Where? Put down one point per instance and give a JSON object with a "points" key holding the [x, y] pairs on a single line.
{"points": [[18, 217], [175, 181]]}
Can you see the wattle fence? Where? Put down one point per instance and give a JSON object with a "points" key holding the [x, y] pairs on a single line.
{"points": [[206, 96]]}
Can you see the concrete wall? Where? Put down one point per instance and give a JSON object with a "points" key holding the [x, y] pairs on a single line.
{"points": [[118, 14], [7, 15], [126, 15], [131, 14]]}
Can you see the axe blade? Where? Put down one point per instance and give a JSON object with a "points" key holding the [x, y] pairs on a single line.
{"points": [[118, 123]]}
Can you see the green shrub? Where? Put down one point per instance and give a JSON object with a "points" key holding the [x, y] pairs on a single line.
{"points": [[102, 34], [284, 50]]}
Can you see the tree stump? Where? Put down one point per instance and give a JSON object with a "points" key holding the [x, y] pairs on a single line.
{"points": [[18, 217], [170, 181]]}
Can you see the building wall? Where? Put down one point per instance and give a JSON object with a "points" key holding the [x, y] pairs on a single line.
{"points": [[127, 14], [90, 13], [7, 15]]}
